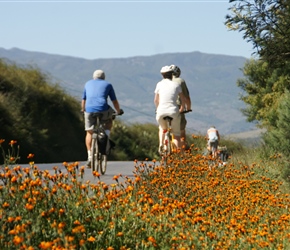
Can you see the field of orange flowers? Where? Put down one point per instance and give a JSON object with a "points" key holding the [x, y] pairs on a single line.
{"points": [[184, 205]]}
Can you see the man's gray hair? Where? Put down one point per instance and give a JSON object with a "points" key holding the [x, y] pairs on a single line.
{"points": [[99, 74]]}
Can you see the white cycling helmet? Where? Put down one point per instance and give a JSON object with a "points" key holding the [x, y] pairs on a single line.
{"points": [[166, 69], [175, 69]]}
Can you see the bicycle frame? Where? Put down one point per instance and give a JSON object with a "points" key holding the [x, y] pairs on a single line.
{"points": [[168, 137], [99, 160], [168, 144]]}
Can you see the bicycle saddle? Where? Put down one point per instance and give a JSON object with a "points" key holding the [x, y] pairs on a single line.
{"points": [[168, 118], [97, 114]]}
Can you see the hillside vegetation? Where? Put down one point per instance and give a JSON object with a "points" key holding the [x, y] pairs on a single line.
{"points": [[40, 116], [45, 121], [210, 79]]}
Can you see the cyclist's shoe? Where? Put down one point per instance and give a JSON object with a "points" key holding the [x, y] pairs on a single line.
{"points": [[89, 163], [160, 150]]}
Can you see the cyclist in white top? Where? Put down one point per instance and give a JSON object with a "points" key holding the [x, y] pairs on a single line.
{"points": [[165, 100], [213, 138]]}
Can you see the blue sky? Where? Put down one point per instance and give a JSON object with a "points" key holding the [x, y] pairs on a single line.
{"points": [[119, 29]]}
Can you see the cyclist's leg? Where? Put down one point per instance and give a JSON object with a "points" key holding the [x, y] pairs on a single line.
{"points": [[89, 124], [214, 149], [162, 126], [182, 131], [107, 122], [175, 127]]}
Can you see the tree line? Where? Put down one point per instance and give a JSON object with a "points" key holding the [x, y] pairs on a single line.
{"points": [[266, 81]]}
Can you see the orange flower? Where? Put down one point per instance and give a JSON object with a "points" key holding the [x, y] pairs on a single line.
{"points": [[77, 222], [45, 245], [61, 211], [10, 219], [61, 225], [17, 240], [1, 141], [5, 205], [129, 188], [151, 239], [14, 179], [17, 218], [29, 206], [12, 142], [96, 174], [69, 238], [30, 156], [115, 177], [82, 242], [91, 239]]}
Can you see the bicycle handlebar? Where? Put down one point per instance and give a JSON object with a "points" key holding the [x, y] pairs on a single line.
{"points": [[121, 112], [116, 114], [186, 111]]}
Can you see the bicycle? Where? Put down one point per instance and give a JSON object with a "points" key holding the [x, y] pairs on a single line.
{"points": [[100, 144], [221, 155], [168, 146]]}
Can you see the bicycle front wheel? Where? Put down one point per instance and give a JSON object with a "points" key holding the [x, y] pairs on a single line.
{"points": [[95, 153], [103, 163], [166, 145], [169, 144]]}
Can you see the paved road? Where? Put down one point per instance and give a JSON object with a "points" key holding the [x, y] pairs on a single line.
{"points": [[125, 168]]}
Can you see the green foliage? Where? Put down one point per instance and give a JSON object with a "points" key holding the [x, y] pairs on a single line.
{"points": [[39, 115], [11, 154], [135, 141], [262, 88], [278, 139], [264, 23]]}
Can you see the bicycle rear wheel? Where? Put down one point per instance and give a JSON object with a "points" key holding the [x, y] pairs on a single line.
{"points": [[102, 163], [95, 153], [167, 143]]}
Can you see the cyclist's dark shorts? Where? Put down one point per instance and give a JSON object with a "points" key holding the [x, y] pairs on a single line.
{"points": [[106, 119], [213, 144]]}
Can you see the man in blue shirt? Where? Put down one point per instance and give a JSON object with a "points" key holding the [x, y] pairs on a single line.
{"points": [[95, 99]]}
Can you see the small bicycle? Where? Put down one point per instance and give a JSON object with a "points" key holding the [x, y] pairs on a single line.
{"points": [[168, 147], [100, 144]]}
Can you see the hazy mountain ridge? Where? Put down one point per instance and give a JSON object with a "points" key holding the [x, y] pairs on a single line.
{"points": [[211, 80]]}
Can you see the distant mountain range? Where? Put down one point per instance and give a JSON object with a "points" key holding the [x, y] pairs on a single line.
{"points": [[211, 80]]}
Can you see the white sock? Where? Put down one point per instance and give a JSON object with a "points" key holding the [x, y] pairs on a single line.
{"points": [[89, 154]]}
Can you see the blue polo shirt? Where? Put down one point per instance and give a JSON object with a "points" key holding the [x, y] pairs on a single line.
{"points": [[96, 93]]}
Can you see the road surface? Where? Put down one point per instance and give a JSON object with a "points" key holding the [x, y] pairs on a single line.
{"points": [[125, 168]]}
